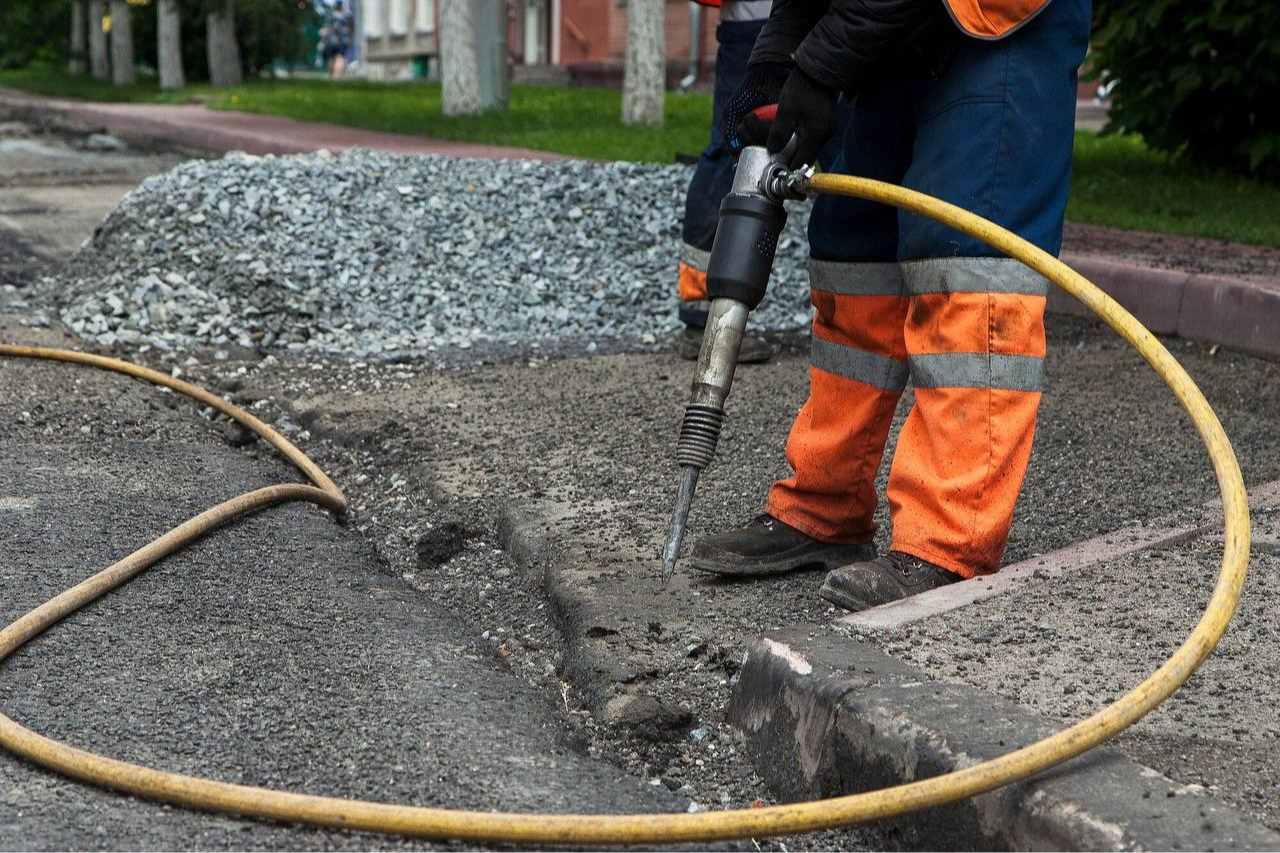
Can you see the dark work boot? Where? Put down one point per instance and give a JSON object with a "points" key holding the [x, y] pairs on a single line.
{"points": [[768, 546], [894, 576], [754, 350]]}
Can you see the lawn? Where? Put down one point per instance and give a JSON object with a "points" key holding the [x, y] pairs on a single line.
{"points": [[1118, 182]]}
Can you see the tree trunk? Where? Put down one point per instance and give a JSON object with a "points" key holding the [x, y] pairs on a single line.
{"points": [[459, 65], [169, 44], [99, 64], [644, 76], [78, 66], [224, 50], [123, 72]]}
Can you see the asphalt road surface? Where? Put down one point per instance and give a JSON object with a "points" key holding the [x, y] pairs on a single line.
{"points": [[276, 652]]}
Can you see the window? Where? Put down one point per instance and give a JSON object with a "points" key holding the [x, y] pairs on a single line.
{"points": [[399, 17], [424, 15], [374, 17]]}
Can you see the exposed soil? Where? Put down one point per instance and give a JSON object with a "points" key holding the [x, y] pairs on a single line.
{"points": [[579, 450], [1260, 264]]}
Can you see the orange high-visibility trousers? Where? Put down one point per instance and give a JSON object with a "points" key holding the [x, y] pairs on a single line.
{"points": [[969, 333], [898, 297]]}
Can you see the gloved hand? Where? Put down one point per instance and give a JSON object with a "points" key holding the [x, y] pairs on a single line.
{"points": [[807, 109], [760, 87]]}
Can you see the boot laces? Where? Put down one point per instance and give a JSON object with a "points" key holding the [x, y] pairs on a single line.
{"points": [[905, 563]]}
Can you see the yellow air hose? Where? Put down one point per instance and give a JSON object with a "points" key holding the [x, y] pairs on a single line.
{"points": [[525, 829]]}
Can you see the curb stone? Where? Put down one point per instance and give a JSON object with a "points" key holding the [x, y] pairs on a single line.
{"points": [[608, 687], [824, 715], [1233, 312]]}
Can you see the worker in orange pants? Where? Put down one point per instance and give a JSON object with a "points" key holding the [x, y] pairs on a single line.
{"points": [[984, 119]]}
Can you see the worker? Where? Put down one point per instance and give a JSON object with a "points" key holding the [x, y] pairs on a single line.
{"points": [[971, 101], [740, 22]]}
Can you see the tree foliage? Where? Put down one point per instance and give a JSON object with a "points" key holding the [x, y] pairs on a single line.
{"points": [[1197, 78], [34, 32], [38, 32]]}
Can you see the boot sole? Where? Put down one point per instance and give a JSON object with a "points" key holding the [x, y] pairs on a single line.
{"points": [[824, 560], [840, 598]]}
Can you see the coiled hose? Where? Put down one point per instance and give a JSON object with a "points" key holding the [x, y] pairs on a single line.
{"points": [[525, 829]]}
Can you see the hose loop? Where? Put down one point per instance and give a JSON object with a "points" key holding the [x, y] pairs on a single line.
{"points": [[587, 829]]}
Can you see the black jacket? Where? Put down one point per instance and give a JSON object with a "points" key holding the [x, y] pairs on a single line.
{"points": [[839, 42]]}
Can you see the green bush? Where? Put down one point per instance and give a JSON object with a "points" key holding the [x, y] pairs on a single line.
{"points": [[34, 32], [1199, 79]]}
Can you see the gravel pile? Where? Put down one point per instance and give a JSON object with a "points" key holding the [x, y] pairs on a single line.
{"points": [[371, 254]]}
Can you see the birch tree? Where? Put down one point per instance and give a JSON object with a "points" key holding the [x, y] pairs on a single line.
{"points": [[224, 49], [644, 75], [78, 66], [123, 70], [169, 44], [99, 63], [459, 63]]}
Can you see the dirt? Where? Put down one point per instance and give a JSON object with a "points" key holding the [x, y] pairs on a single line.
{"points": [[1260, 264], [574, 456], [525, 493], [1068, 648], [277, 651]]}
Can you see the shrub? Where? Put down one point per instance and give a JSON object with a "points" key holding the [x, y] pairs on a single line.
{"points": [[1199, 79]]}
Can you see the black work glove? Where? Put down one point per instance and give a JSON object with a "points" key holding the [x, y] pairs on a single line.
{"points": [[760, 88], [807, 109]]}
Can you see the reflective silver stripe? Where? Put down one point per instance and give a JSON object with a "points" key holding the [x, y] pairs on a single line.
{"points": [[694, 257], [977, 370], [745, 10], [972, 275], [867, 367], [856, 279]]}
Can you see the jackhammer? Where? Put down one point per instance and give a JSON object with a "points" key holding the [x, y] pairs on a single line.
{"points": [[751, 218]]}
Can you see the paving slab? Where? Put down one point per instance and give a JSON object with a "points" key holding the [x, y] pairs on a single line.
{"points": [[824, 715]]}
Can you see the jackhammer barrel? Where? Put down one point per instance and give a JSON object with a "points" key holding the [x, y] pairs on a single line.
{"points": [[751, 218]]}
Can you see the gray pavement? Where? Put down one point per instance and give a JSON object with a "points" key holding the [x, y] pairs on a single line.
{"points": [[574, 456], [1068, 647], [304, 654], [53, 192], [276, 652]]}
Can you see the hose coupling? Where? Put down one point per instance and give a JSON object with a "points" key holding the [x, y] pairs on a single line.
{"points": [[783, 184]]}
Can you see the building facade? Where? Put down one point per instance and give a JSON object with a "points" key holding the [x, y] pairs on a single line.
{"points": [[581, 41]]}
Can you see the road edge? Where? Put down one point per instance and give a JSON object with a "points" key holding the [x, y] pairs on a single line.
{"points": [[1231, 312], [823, 714]]}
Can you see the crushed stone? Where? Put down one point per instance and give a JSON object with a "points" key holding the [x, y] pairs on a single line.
{"points": [[369, 254]]}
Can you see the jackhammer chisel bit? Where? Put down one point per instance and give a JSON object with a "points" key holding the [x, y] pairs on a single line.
{"points": [[751, 218]]}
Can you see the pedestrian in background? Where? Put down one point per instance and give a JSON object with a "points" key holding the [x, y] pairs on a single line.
{"points": [[740, 23], [335, 39]]}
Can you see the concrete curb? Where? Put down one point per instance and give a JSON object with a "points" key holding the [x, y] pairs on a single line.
{"points": [[824, 715], [1161, 532], [588, 663], [1233, 312]]}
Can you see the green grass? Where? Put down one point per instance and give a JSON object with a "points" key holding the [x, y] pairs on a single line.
{"points": [[1118, 182], [579, 122]]}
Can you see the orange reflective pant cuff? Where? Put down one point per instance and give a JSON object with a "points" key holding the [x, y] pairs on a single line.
{"points": [[794, 515], [693, 283]]}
